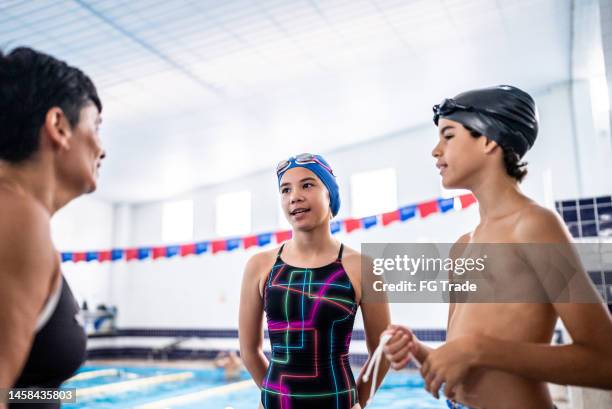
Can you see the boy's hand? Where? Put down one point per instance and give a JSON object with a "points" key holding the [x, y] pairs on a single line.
{"points": [[449, 365], [402, 345]]}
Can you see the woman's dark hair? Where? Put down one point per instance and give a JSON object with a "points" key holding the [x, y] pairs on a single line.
{"points": [[31, 83], [512, 161]]}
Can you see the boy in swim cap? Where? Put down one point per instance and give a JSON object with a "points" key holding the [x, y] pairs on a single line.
{"points": [[499, 354]]}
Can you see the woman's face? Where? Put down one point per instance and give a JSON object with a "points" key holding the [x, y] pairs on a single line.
{"points": [[79, 164], [459, 155], [304, 199]]}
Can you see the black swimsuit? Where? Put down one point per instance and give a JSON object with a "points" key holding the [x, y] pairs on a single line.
{"points": [[58, 349], [310, 313]]}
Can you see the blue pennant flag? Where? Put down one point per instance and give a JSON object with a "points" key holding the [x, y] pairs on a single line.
{"points": [[407, 212], [172, 251], [91, 255], [335, 226], [369, 221], [264, 239], [66, 257], [143, 253], [233, 244], [446, 205], [201, 247], [116, 254]]}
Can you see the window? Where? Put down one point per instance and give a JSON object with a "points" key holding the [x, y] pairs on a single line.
{"points": [[234, 214], [177, 221], [373, 192], [601, 104]]}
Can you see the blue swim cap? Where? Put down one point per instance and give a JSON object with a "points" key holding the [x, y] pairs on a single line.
{"points": [[319, 166]]}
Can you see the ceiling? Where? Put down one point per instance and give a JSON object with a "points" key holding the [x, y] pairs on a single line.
{"points": [[200, 92]]}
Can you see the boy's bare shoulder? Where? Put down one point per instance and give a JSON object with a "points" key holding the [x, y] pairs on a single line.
{"points": [[540, 224]]}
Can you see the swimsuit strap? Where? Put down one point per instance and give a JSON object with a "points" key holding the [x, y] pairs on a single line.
{"points": [[340, 252], [280, 251]]}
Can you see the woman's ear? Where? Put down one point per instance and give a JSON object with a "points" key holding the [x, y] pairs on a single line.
{"points": [[57, 128]]}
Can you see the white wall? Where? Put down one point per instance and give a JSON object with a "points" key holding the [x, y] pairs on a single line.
{"points": [[85, 224], [203, 291]]}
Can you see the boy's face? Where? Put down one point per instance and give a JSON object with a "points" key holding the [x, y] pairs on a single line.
{"points": [[459, 155]]}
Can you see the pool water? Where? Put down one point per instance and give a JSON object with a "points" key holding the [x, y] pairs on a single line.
{"points": [[398, 391], [207, 388]]}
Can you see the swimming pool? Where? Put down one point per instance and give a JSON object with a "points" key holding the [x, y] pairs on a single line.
{"points": [[106, 387]]}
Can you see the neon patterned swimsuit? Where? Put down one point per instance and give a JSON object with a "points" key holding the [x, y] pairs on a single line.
{"points": [[310, 313]]}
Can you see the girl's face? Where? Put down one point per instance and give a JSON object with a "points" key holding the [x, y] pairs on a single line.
{"points": [[304, 199], [459, 155]]}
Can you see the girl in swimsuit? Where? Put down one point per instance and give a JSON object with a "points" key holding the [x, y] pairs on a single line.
{"points": [[310, 291]]}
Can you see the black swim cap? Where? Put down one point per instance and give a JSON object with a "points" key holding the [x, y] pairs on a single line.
{"points": [[503, 113]]}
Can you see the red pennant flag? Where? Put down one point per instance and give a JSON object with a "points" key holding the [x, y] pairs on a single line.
{"points": [[104, 256], [249, 241], [159, 252], [187, 249], [427, 208], [467, 200], [76, 257], [131, 254], [283, 235], [219, 245], [352, 224], [388, 218]]}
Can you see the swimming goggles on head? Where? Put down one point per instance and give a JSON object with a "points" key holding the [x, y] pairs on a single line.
{"points": [[301, 159], [448, 106]]}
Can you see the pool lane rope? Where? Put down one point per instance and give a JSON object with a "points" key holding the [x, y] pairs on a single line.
{"points": [[199, 395], [124, 386], [94, 374]]}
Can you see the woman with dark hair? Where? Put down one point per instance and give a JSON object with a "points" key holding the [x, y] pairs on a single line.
{"points": [[50, 153]]}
